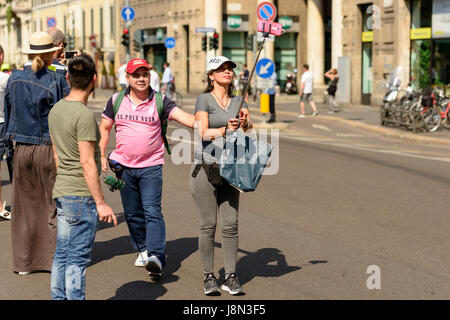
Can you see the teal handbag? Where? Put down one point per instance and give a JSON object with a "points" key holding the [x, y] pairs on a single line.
{"points": [[243, 160]]}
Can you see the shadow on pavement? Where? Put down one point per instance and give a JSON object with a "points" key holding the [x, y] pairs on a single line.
{"points": [[177, 251], [266, 262]]}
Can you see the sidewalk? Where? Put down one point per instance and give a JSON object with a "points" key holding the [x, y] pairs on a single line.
{"points": [[366, 117]]}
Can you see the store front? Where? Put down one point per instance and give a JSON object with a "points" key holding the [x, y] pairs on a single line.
{"points": [[366, 56], [286, 49], [430, 44], [234, 44], [153, 46]]}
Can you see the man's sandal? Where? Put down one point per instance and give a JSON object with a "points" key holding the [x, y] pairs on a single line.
{"points": [[5, 214]]}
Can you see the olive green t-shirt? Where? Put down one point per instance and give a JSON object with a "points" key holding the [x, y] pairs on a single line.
{"points": [[70, 122]]}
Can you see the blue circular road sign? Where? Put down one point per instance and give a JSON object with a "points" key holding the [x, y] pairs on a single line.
{"points": [[169, 43], [51, 22], [127, 13], [265, 68]]}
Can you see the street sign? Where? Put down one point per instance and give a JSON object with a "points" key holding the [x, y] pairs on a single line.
{"points": [[51, 22], [265, 68], [286, 22], [204, 30], [266, 11], [234, 21], [128, 13], [169, 43]]}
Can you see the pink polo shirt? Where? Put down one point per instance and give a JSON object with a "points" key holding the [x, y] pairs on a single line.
{"points": [[138, 131]]}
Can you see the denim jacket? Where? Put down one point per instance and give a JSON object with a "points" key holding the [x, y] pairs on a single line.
{"points": [[29, 96]]}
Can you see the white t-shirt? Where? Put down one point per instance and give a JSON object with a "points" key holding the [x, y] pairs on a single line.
{"points": [[121, 72], [167, 75], [154, 80], [307, 78], [3, 81]]}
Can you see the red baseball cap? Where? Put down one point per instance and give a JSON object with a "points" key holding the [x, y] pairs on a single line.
{"points": [[136, 63]]}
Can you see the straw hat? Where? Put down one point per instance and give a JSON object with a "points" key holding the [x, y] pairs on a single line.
{"points": [[40, 42]]}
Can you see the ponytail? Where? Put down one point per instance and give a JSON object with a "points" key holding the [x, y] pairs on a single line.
{"points": [[41, 60]]}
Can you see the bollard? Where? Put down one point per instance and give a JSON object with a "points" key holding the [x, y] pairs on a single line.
{"points": [[264, 103]]}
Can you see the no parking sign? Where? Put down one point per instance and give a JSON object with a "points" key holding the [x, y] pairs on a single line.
{"points": [[266, 11]]}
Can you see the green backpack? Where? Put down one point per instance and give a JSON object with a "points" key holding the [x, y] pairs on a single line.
{"points": [[159, 104]]}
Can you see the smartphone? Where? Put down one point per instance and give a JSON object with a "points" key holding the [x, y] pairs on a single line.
{"points": [[70, 54]]}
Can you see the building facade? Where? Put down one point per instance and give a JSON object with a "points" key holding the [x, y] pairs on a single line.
{"points": [[14, 31], [381, 36], [308, 36]]}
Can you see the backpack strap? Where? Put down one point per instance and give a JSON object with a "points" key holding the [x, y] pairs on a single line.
{"points": [[118, 102], [160, 107]]}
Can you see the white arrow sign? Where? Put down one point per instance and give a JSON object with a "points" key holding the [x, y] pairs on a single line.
{"points": [[265, 69], [128, 13]]}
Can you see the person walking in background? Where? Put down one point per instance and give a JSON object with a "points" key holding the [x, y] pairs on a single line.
{"points": [[59, 40], [139, 153], [271, 92], [75, 137], [306, 90], [122, 76], [154, 79], [33, 218], [215, 115], [243, 80], [332, 74], [167, 79], [3, 81]]}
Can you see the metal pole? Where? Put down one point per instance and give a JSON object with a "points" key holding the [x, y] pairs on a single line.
{"points": [[127, 25], [250, 77]]}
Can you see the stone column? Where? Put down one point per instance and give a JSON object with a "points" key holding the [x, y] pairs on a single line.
{"points": [[213, 19], [269, 46], [336, 32], [316, 41]]}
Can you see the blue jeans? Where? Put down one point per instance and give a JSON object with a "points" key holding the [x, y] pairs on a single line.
{"points": [[141, 200], [77, 225]]}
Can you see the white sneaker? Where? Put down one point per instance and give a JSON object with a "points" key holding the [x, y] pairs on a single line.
{"points": [[301, 116], [154, 267], [315, 113], [141, 259], [5, 214]]}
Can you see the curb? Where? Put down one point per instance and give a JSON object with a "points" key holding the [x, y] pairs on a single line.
{"points": [[389, 132]]}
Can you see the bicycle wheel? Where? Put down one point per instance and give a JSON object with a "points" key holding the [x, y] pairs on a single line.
{"points": [[446, 123], [432, 118]]}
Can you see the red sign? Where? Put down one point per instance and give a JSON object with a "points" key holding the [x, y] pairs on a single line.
{"points": [[266, 11]]}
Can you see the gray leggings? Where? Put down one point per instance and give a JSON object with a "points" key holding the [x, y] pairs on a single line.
{"points": [[210, 201]]}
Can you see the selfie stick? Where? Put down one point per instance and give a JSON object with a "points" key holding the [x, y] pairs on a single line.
{"points": [[251, 74]]}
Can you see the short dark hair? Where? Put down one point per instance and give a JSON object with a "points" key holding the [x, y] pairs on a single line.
{"points": [[81, 71], [1, 49], [306, 66]]}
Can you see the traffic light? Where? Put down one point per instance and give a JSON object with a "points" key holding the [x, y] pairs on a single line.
{"points": [[136, 46], [250, 42], [214, 41], [71, 42], [205, 43], [125, 38], [92, 40]]}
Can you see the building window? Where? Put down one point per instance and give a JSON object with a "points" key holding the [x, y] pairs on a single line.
{"points": [[92, 22], [101, 27], [112, 21], [421, 13], [83, 43]]}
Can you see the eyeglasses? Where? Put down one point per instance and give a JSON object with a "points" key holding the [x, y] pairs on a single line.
{"points": [[137, 75]]}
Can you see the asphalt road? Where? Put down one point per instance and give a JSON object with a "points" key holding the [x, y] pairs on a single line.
{"points": [[343, 202]]}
